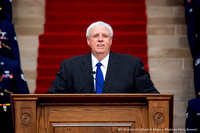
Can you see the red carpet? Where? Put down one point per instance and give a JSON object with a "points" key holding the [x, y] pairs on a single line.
{"points": [[66, 24]]}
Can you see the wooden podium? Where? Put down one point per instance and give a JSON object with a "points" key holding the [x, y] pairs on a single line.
{"points": [[89, 113]]}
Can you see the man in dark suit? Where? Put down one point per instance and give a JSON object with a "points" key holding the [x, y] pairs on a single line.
{"points": [[117, 73], [192, 14]]}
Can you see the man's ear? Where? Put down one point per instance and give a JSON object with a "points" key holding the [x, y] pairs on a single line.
{"points": [[88, 40]]}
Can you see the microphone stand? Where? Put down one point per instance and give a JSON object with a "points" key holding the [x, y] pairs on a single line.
{"points": [[100, 85], [88, 82]]}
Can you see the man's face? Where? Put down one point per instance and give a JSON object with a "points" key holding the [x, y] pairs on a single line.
{"points": [[99, 40]]}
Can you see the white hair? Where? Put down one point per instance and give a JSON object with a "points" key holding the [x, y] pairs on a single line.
{"points": [[99, 23]]}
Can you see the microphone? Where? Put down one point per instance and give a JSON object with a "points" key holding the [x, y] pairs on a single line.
{"points": [[98, 82], [92, 77], [86, 82]]}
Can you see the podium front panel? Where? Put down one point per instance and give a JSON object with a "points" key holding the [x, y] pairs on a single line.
{"points": [[89, 113]]}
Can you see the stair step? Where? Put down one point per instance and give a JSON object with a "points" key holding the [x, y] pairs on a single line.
{"points": [[93, 1], [41, 90], [44, 82], [94, 7], [47, 71], [164, 2], [81, 27], [28, 64], [28, 41], [28, 53], [91, 17], [29, 21], [80, 38], [81, 49], [28, 30]]}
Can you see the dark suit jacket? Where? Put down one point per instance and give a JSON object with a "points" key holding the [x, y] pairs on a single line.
{"points": [[125, 74]]}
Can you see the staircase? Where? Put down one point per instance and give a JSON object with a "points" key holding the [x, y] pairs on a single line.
{"points": [[169, 58], [65, 29]]}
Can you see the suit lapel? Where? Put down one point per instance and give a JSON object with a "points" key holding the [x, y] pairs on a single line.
{"points": [[87, 69], [87, 66], [111, 71]]}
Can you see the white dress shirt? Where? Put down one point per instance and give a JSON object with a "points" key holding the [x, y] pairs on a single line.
{"points": [[103, 67]]}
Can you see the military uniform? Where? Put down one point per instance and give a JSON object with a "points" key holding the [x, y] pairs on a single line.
{"points": [[13, 77], [8, 42], [6, 6], [192, 14], [193, 116], [13, 82]]}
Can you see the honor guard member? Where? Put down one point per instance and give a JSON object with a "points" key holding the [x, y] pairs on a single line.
{"points": [[7, 8], [8, 42], [192, 14], [13, 81], [193, 116]]}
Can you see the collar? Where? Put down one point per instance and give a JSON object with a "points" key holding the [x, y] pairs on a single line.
{"points": [[104, 62]]}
